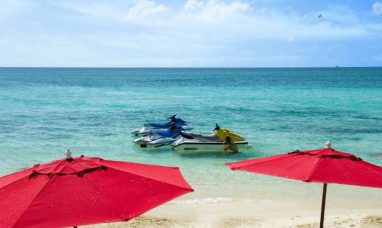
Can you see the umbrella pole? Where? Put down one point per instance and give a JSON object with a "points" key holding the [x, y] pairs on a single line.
{"points": [[323, 204]]}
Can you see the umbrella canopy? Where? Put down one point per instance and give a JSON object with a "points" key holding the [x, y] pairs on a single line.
{"points": [[324, 165], [85, 190]]}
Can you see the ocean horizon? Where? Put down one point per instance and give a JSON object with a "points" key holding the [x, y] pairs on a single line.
{"points": [[186, 67]]}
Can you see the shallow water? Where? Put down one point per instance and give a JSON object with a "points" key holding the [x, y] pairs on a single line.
{"points": [[44, 111]]}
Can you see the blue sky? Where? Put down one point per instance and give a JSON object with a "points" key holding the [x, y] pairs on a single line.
{"points": [[193, 33]]}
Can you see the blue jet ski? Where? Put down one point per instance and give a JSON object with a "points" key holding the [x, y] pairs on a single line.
{"points": [[160, 137], [149, 127]]}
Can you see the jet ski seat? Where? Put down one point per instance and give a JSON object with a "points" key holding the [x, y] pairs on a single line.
{"points": [[201, 138]]}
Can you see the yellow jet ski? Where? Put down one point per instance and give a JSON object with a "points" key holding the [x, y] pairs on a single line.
{"points": [[192, 142]]}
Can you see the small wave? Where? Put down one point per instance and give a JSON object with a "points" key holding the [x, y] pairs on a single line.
{"points": [[377, 155], [204, 201]]}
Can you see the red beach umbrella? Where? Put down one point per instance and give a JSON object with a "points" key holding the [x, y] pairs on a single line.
{"points": [[85, 190], [321, 165]]}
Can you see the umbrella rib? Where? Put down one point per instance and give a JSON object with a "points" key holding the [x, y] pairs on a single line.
{"points": [[10, 183], [308, 179], [79, 163], [372, 170], [39, 193], [58, 166]]}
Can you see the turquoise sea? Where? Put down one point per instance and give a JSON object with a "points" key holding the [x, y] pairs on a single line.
{"points": [[44, 111]]}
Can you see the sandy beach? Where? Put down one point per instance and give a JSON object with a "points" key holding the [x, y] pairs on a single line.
{"points": [[244, 214]]}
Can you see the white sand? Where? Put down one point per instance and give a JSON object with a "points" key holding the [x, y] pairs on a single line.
{"points": [[248, 213]]}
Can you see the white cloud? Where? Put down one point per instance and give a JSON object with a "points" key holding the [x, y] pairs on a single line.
{"points": [[198, 32], [92, 9], [215, 10], [193, 5], [240, 21], [376, 8], [217, 19], [139, 11], [144, 9]]}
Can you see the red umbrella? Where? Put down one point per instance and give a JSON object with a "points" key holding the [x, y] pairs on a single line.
{"points": [[322, 165], [85, 190]]}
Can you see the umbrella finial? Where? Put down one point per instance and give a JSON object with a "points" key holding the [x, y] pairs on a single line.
{"points": [[328, 144], [68, 154]]}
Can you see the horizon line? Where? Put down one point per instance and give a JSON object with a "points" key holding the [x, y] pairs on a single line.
{"points": [[188, 67]]}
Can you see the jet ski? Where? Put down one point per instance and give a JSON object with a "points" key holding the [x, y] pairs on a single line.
{"points": [[148, 127], [191, 142], [159, 137]]}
